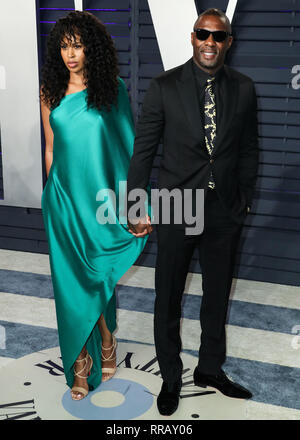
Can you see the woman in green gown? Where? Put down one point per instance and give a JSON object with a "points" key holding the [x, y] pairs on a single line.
{"points": [[89, 138]]}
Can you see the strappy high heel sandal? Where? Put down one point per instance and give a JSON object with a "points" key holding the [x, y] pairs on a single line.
{"points": [[111, 357], [77, 389]]}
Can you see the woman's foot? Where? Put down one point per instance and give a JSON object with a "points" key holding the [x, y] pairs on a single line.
{"points": [[108, 358], [82, 369]]}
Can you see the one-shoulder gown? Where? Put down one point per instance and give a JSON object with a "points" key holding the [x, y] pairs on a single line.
{"points": [[91, 152]]}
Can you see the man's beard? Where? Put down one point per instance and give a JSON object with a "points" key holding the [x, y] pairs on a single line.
{"points": [[208, 64]]}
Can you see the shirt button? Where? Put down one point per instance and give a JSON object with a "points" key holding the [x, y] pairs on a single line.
{"points": [[211, 161]]}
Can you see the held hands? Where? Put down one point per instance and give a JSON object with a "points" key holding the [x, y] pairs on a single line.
{"points": [[141, 228]]}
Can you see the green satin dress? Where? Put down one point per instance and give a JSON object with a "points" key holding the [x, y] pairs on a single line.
{"points": [[91, 152]]}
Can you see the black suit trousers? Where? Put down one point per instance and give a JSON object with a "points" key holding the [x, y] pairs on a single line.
{"points": [[217, 247]]}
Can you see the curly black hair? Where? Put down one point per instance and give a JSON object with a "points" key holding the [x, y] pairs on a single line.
{"points": [[101, 64]]}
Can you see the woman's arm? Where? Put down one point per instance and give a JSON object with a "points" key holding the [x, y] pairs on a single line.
{"points": [[48, 136]]}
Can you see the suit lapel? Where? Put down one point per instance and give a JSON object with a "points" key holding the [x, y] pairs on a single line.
{"points": [[186, 86], [187, 89], [229, 94]]}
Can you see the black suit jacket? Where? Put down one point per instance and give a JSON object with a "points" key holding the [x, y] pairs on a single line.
{"points": [[171, 113]]}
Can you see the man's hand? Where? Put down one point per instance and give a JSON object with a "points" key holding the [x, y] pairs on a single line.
{"points": [[142, 228]]}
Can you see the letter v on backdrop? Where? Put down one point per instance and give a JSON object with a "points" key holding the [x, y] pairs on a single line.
{"points": [[173, 22]]}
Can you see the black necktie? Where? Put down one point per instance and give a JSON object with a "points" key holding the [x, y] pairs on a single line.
{"points": [[210, 126]]}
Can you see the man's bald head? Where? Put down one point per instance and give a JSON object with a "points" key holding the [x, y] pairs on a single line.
{"points": [[217, 13]]}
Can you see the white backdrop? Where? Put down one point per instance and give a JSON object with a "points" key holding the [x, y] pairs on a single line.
{"points": [[19, 105]]}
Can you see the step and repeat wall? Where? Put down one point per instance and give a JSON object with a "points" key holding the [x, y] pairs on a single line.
{"points": [[266, 47]]}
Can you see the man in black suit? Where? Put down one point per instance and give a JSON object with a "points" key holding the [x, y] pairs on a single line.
{"points": [[205, 113]]}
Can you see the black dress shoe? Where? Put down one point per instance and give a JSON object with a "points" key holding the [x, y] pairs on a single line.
{"points": [[168, 398], [222, 383]]}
